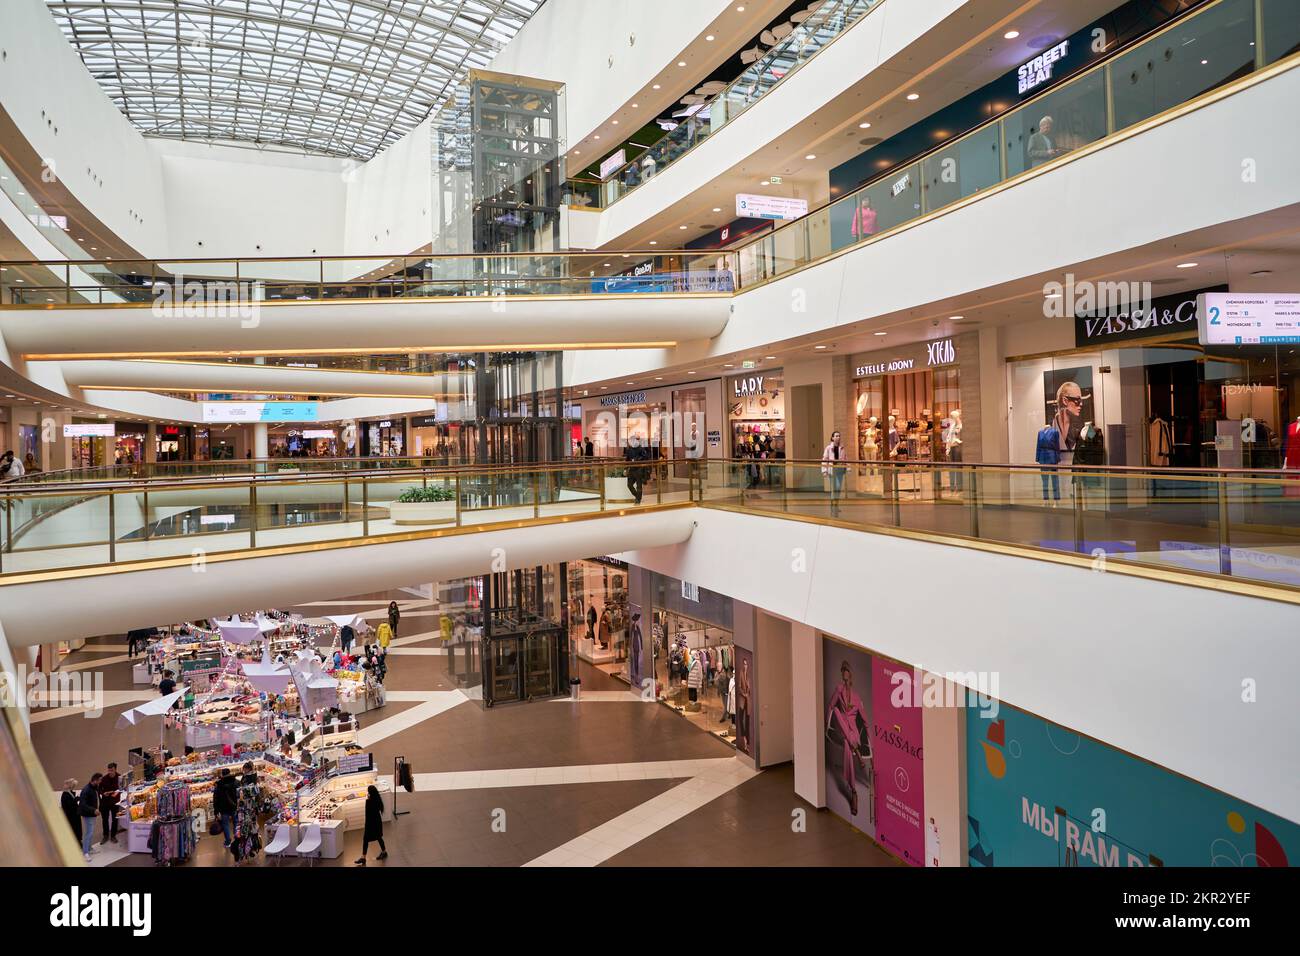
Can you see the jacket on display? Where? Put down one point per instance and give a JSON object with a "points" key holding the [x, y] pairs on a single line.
{"points": [[1161, 436], [695, 676], [1048, 451]]}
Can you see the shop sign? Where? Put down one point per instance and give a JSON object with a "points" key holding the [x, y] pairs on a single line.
{"points": [[901, 185], [1254, 318], [883, 368], [640, 269], [753, 206], [1167, 315], [627, 398], [749, 363], [90, 430], [613, 163], [611, 562], [386, 423], [690, 592], [318, 433], [714, 438], [1039, 70], [748, 385], [942, 352]]}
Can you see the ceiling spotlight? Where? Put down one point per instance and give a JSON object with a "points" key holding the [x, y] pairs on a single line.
{"points": [[615, 122], [740, 9], [1011, 34], [654, 242], [765, 183], [717, 209], [681, 62], [768, 358], [728, 365], [636, 106], [955, 318], [709, 37], [1187, 265], [811, 156], [913, 96], [655, 87], [882, 333], [597, 136], [681, 227], [864, 126], [819, 347]]}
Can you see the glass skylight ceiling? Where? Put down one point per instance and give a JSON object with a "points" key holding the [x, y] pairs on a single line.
{"points": [[332, 77]]}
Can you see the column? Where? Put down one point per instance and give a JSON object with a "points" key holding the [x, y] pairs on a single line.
{"points": [[261, 442], [151, 442], [809, 714], [944, 731]]}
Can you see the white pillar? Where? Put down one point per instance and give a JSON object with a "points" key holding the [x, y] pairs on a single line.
{"points": [[261, 443], [809, 714]]}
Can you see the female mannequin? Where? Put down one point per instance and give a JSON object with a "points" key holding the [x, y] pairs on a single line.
{"points": [[871, 439]]}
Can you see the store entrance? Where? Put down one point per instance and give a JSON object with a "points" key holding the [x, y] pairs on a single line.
{"points": [[1174, 397]]}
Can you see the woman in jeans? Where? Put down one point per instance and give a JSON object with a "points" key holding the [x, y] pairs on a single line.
{"points": [[833, 468]]}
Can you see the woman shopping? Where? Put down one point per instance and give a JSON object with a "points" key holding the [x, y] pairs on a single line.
{"points": [[374, 831]]}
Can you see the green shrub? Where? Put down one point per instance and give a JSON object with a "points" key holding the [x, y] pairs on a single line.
{"points": [[426, 495]]}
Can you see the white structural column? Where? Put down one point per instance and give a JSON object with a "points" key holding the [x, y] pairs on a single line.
{"points": [[809, 742], [261, 444], [944, 731]]}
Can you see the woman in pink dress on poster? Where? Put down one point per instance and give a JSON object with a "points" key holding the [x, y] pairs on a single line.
{"points": [[846, 715]]}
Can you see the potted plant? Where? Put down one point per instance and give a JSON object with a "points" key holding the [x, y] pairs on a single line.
{"points": [[435, 504], [616, 485]]}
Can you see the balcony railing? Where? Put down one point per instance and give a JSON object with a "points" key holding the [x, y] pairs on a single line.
{"points": [[804, 42], [1198, 527]]}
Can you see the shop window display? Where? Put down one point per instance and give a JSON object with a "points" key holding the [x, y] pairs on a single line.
{"points": [[599, 616], [695, 671]]}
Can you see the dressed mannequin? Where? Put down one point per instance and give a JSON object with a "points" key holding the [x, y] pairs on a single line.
{"points": [[1291, 457], [892, 432], [951, 438], [871, 439]]}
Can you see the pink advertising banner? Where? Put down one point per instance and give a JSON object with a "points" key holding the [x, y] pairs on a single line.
{"points": [[899, 761]]}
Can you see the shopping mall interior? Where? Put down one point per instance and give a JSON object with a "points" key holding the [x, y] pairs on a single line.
{"points": [[561, 433]]}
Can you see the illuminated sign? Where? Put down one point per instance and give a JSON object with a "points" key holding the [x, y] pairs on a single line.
{"points": [[902, 184], [613, 164], [218, 412], [751, 385], [1039, 70], [752, 206], [1248, 318], [318, 433], [90, 430], [627, 398]]}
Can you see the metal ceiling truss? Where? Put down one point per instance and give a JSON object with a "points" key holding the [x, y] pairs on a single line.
{"points": [[330, 77]]}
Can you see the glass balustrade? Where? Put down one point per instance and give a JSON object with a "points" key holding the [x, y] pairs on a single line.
{"points": [[788, 53], [1241, 525]]}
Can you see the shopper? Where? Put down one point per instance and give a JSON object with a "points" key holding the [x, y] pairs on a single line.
{"points": [[225, 802], [10, 467], [592, 618], [110, 789], [88, 809], [384, 637], [588, 449], [374, 831], [249, 779], [832, 467], [167, 685], [394, 615], [346, 637], [30, 465], [633, 454], [68, 801]]}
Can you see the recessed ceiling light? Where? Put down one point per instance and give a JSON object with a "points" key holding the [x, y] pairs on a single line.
{"points": [[811, 156], [1011, 34], [690, 373], [1203, 62], [631, 383], [955, 318], [681, 227], [913, 96], [597, 136], [709, 37], [717, 209], [636, 106], [681, 62], [654, 242], [1188, 265], [769, 357], [577, 152], [615, 122], [864, 126], [819, 347], [659, 378], [740, 9], [882, 333], [765, 183], [655, 87]]}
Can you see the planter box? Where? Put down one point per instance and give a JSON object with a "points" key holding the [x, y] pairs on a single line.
{"points": [[616, 490], [422, 512]]}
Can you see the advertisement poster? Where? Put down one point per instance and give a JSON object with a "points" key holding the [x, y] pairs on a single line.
{"points": [[1041, 795], [744, 702], [1068, 403], [899, 759], [850, 774]]}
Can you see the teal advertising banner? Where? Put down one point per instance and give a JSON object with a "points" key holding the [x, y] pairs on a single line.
{"points": [[1041, 795]]}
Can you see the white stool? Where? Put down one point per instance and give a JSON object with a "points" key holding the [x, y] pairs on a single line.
{"points": [[280, 843], [310, 845]]}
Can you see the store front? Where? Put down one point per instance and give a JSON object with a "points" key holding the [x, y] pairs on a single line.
{"points": [[696, 664], [599, 615], [678, 422], [296, 441], [129, 443], [175, 442], [756, 415], [1151, 396], [383, 438]]}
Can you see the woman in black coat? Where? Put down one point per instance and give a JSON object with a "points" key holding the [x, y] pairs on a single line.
{"points": [[68, 801], [394, 615], [374, 830]]}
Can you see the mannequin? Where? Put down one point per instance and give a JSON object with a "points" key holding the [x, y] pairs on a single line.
{"points": [[951, 437], [893, 435], [871, 440], [1291, 456]]}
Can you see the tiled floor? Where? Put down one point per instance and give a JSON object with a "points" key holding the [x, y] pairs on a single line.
{"points": [[607, 780]]}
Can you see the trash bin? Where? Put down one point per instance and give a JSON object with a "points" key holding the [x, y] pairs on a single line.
{"points": [[575, 689]]}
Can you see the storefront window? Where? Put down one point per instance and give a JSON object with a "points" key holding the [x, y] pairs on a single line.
{"points": [[756, 414], [598, 615]]}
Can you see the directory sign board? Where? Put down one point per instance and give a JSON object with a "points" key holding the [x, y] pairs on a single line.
{"points": [[751, 206], [1248, 318], [613, 163], [260, 411], [90, 430]]}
